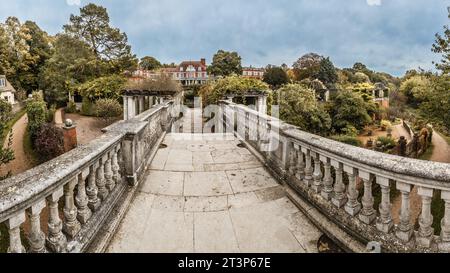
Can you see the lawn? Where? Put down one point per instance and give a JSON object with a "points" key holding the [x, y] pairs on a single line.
{"points": [[10, 124]]}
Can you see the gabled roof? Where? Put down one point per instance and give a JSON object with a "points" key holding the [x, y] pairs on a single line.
{"points": [[8, 87]]}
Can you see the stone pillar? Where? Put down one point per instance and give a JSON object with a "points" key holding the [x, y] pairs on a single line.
{"points": [[425, 234], [13, 225], [339, 199], [141, 104], [125, 107], [131, 109], [36, 238], [384, 222], [261, 105], [70, 135], [404, 229], [150, 102], [353, 206], [56, 241]]}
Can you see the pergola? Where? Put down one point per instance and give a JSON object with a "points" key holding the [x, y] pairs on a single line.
{"points": [[136, 102]]}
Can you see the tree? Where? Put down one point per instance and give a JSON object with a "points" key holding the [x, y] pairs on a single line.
{"points": [[149, 63], [40, 51], [360, 77], [327, 73], [233, 85], [348, 110], [163, 82], [299, 107], [225, 64], [37, 115], [276, 77], [442, 46], [93, 27], [72, 63], [437, 104], [108, 87], [416, 89], [307, 66]]}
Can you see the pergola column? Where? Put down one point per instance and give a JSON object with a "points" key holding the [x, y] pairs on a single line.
{"points": [[141, 104], [261, 104]]}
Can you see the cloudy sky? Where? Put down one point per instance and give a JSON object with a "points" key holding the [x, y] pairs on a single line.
{"points": [[387, 35]]}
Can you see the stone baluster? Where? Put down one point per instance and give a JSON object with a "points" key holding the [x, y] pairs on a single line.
{"points": [[308, 180], [101, 182], [353, 206], [36, 238], [115, 165], [109, 172], [92, 190], [425, 234], [339, 198], [317, 185], [71, 226], [13, 225], [404, 229], [327, 190], [384, 222], [368, 213], [81, 200], [56, 241], [444, 244], [300, 174], [293, 161]]}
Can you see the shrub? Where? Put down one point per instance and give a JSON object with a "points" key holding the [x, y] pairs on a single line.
{"points": [[71, 107], [351, 140], [5, 113], [37, 115], [385, 124], [387, 143], [108, 109], [87, 107], [51, 113], [49, 142]]}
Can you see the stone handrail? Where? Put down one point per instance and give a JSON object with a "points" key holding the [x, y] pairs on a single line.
{"points": [[339, 180], [83, 186]]}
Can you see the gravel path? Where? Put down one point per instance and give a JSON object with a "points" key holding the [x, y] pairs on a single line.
{"points": [[441, 151], [22, 161]]}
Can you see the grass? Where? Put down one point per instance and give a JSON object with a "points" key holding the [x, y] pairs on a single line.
{"points": [[10, 124], [28, 148], [428, 153]]}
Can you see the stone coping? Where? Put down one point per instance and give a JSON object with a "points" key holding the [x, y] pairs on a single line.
{"points": [[420, 172], [22, 190]]}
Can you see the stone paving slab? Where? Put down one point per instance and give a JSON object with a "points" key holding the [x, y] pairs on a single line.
{"points": [[189, 202]]}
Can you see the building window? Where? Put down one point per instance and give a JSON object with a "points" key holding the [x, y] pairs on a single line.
{"points": [[2, 82]]}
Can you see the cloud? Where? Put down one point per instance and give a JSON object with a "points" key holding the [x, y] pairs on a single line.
{"points": [[374, 2], [73, 2]]}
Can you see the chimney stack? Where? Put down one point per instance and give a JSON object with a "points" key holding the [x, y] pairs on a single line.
{"points": [[203, 61]]}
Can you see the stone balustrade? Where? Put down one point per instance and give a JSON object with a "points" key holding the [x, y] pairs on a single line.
{"points": [[61, 206], [342, 181]]}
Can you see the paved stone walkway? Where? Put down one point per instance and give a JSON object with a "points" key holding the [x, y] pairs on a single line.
{"points": [[205, 194]]}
